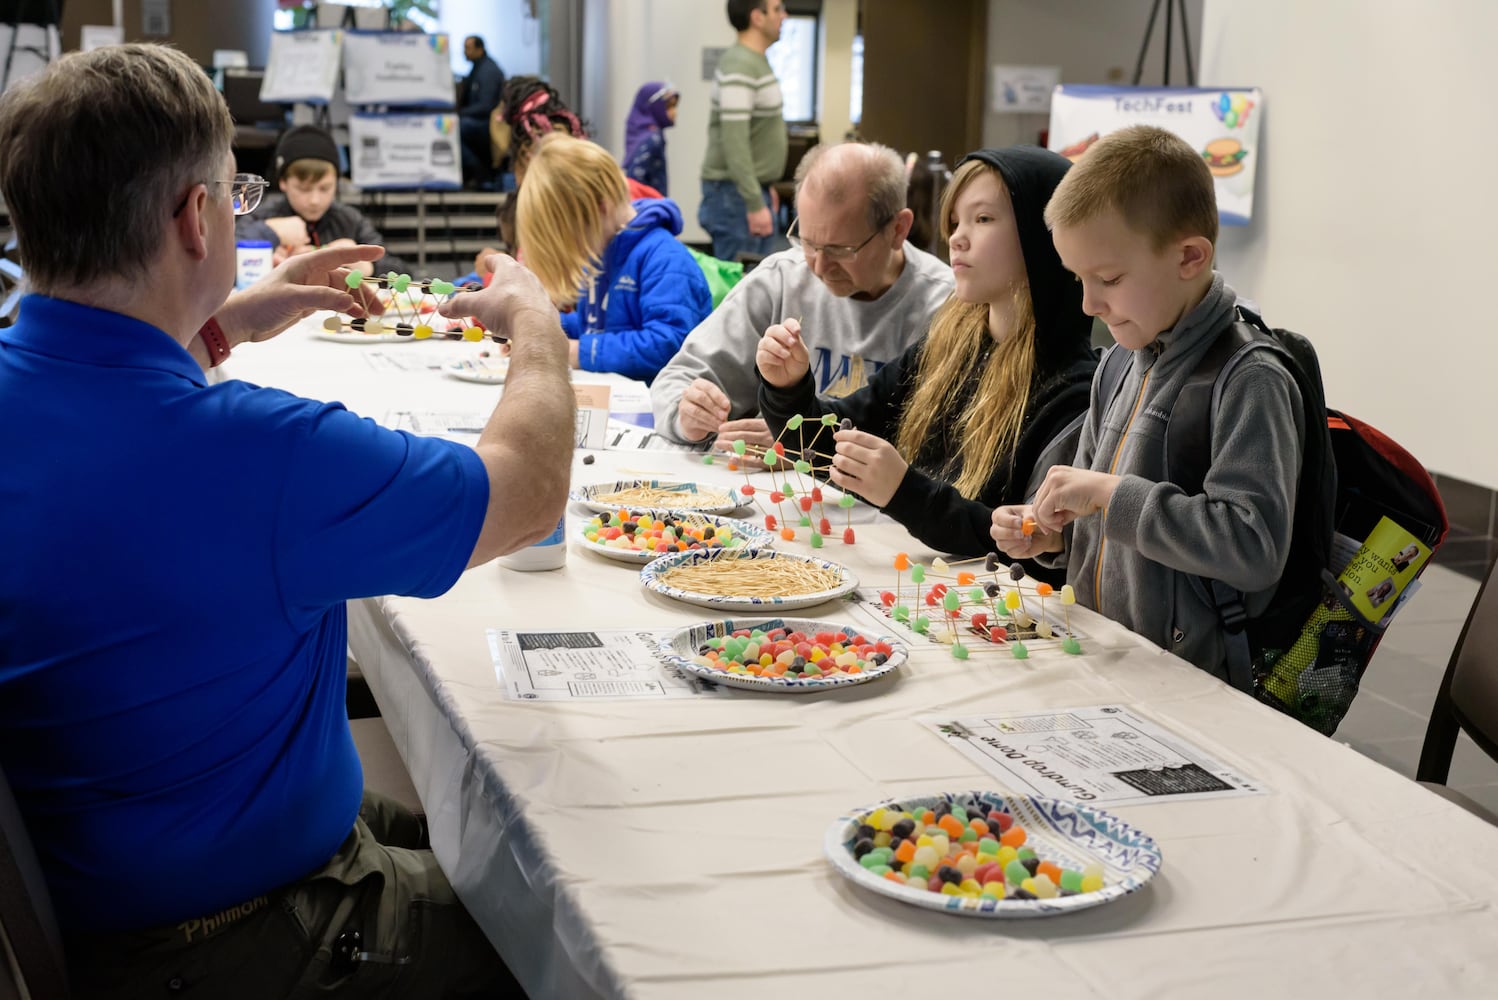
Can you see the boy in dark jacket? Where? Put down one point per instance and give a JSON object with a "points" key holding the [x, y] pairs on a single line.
{"points": [[1136, 220]]}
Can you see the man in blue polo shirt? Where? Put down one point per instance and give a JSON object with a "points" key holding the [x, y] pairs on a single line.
{"points": [[178, 555]]}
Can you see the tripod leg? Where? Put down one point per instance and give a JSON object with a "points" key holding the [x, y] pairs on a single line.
{"points": [[1186, 39], [1170, 16], [1145, 45]]}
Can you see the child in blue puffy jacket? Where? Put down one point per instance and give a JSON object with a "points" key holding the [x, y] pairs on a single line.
{"points": [[637, 289]]}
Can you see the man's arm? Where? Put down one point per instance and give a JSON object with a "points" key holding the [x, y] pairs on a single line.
{"points": [[721, 350], [527, 444]]}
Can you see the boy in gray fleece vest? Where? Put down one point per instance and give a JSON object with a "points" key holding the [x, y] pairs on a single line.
{"points": [[1135, 220]]}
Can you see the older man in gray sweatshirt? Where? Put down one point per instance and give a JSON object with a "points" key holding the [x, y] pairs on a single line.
{"points": [[862, 294]]}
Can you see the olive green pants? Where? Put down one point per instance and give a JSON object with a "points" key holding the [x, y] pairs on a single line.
{"points": [[378, 920]]}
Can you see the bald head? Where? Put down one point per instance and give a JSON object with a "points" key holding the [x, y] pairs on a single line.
{"points": [[855, 172]]}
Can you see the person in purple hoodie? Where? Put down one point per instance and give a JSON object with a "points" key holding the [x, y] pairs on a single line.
{"points": [[638, 290], [653, 112]]}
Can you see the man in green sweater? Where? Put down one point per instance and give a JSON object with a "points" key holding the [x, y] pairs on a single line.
{"points": [[746, 139]]}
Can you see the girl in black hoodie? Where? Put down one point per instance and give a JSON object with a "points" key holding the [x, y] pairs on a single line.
{"points": [[971, 417]]}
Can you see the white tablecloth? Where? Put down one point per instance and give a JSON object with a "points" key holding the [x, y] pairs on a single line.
{"points": [[672, 848]]}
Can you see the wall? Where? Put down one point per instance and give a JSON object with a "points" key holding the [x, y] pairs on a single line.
{"points": [[625, 45], [1374, 208], [512, 38], [1093, 41], [198, 27]]}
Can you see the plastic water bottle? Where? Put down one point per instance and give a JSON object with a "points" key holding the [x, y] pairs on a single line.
{"points": [[549, 553], [253, 258]]}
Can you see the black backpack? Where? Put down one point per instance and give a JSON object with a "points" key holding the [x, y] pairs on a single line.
{"points": [[1305, 654]]}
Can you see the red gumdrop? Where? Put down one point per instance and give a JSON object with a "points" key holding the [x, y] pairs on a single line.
{"points": [[931, 600], [779, 448], [770, 521], [825, 526], [995, 633], [777, 497], [887, 598], [805, 505], [883, 647], [939, 589], [1004, 819], [747, 490], [847, 536], [980, 621], [816, 493]]}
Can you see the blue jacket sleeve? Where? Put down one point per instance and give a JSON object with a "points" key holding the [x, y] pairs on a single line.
{"points": [[673, 298], [572, 322]]}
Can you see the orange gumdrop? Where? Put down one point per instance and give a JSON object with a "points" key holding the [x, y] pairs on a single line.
{"points": [[906, 851], [963, 579], [1013, 837], [980, 827], [951, 824], [1044, 589], [1027, 527], [902, 561], [1049, 869], [788, 534]]}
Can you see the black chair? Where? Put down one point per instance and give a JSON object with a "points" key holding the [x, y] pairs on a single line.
{"points": [[1467, 700], [33, 965]]}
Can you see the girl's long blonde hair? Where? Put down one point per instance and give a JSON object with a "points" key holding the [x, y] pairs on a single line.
{"points": [[989, 426], [566, 211]]}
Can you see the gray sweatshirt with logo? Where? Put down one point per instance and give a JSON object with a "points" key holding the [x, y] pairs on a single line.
{"points": [[849, 339], [1133, 561]]}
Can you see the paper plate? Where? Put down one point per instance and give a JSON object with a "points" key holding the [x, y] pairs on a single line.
{"points": [[748, 536], [1068, 833], [489, 371], [679, 648], [651, 575], [585, 496]]}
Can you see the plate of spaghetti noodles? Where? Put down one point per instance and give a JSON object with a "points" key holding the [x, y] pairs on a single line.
{"points": [[655, 494], [753, 580]]}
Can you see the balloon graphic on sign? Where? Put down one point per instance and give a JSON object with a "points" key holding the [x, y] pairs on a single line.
{"points": [[1232, 109]]}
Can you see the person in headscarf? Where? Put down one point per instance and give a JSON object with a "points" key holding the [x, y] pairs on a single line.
{"points": [[653, 112]]}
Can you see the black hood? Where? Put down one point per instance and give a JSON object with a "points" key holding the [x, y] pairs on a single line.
{"points": [[1063, 333]]}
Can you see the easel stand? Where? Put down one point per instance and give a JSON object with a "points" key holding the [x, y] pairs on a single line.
{"points": [[1171, 6]]}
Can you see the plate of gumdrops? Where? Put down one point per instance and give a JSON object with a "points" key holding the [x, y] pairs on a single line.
{"points": [[638, 536], [782, 655], [992, 854]]}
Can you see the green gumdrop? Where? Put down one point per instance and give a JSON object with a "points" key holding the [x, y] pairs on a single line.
{"points": [[918, 573], [803, 466], [1071, 880], [816, 539], [400, 282], [794, 424], [354, 279], [739, 447], [707, 459], [921, 623], [901, 613], [951, 600], [829, 419], [443, 288], [806, 520], [976, 594], [959, 651], [1019, 651], [845, 501], [771, 458], [1071, 645]]}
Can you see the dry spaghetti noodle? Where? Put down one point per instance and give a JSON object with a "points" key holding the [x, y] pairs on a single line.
{"points": [[746, 576], [658, 497]]}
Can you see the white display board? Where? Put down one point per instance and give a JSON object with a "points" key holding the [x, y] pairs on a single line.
{"points": [[400, 68], [405, 151], [1222, 124], [302, 66]]}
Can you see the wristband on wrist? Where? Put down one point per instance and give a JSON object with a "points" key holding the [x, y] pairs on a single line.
{"points": [[212, 336]]}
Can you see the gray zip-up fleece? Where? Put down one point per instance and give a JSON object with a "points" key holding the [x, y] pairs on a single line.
{"points": [[1133, 562]]}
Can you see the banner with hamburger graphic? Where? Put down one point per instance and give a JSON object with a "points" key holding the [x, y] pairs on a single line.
{"points": [[1223, 124]]}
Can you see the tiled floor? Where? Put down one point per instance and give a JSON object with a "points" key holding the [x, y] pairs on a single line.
{"points": [[1387, 721]]}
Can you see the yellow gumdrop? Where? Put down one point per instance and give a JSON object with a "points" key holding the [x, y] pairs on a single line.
{"points": [[473, 333], [1091, 883], [422, 332]]}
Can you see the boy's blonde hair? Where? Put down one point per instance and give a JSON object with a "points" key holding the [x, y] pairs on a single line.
{"points": [[993, 415], [565, 214], [307, 170], [1160, 186]]}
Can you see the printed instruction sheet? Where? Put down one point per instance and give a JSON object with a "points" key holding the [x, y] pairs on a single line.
{"points": [[587, 666], [1100, 755]]}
